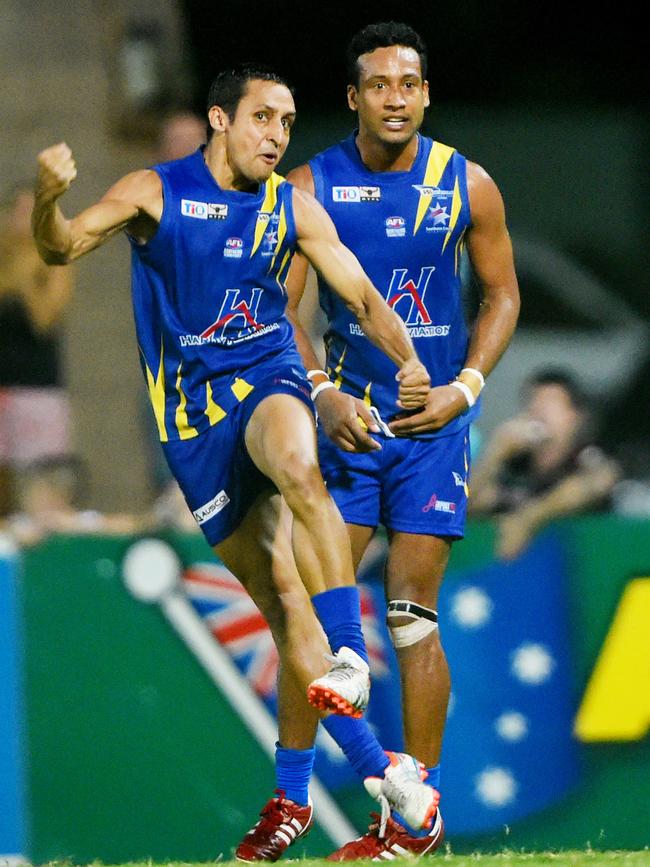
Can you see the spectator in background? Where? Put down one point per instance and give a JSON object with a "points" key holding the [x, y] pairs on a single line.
{"points": [[181, 133], [48, 494], [34, 411], [542, 464]]}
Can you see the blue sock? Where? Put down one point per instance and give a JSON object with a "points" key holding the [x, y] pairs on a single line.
{"points": [[292, 772], [339, 611], [361, 747], [432, 780]]}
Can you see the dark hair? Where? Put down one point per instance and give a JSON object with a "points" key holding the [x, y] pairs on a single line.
{"points": [[383, 35], [559, 376], [229, 86]]}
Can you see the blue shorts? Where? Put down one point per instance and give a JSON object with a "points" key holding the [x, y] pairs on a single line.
{"points": [[411, 485], [214, 471]]}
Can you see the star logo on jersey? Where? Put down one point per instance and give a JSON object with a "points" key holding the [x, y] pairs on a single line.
{"points": [[269, 241], [439, 217]]}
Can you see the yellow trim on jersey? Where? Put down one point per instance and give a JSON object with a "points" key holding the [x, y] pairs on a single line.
{"points": [[278, 276], [213, 411], [456, 205], [366, 395], [466, 486], [436, 165], [338, 382], [157, 394], [268, 206], [282, 231], [185, 430], [241, 389]]}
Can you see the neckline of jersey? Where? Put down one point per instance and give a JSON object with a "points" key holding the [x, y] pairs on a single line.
{"points": [[388, 177], [252, 198]]}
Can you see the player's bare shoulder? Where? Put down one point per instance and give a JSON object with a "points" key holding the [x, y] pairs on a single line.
{"points": [[485, 199], [302, 178]]}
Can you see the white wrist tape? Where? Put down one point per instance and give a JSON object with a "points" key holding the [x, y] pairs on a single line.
{"points": [[467, 391], [312, 373], [477, 374], [321, 387]]}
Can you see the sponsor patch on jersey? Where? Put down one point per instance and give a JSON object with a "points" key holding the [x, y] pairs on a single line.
{"points": [[432, 191], [439, 505], [370, 194], [203, 210], [458, 479], [356, 194], [395, 227], [234, 248], [211, 508], [346, 194]]}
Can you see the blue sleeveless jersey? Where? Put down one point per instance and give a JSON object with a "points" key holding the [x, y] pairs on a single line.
{"points": [[407, 230], [208, 295]]}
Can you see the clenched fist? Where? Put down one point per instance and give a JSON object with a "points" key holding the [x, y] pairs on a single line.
{"points": [[56, 171], [414, 384]]}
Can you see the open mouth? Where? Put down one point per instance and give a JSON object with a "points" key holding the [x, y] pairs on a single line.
{"points": [[269, 159], [395, 123]]}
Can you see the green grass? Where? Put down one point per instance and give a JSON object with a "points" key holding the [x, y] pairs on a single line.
{"points": [[590, 858]]}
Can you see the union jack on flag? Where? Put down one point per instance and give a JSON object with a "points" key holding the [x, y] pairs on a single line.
{"points": [[235, 621]]}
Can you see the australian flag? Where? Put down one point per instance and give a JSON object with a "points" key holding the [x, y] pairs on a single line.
{"points": [[508, 748]]}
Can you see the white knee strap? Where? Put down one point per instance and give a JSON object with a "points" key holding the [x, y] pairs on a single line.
{"points": [[424, 622]]}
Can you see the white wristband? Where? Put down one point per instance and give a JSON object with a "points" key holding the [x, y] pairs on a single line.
{"points": [[467, 391], [477, 374], [312, 373], [321, 387]]}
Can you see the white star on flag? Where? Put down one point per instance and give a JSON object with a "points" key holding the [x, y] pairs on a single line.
{"points": [[511, 726], [532, 663], [471, 608], [495, 787]]}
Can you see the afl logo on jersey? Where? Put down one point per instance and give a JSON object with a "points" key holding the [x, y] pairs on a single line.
{"points": [[395, 227], [203, 210], [234, 248]]}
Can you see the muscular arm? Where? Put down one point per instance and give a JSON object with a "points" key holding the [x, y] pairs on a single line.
{"points": [[320, 244], [134, 202], [339, 412], [490, 251]]}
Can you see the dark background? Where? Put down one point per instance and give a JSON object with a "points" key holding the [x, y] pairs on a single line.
{"points": [[505, 52]]}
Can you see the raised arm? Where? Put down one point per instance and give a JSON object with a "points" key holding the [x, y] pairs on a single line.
{"points": [[134, 202], [319, 242], [340, 413], [490, 251]]}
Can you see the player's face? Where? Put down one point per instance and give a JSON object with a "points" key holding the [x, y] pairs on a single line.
{"points": [[259, 134], [391, 96]]}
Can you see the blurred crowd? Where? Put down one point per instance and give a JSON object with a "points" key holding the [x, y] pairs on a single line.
{"points": [[544, 463]]}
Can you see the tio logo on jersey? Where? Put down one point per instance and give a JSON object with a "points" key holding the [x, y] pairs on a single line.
{"points": [[356, 194], [203, 210]]}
